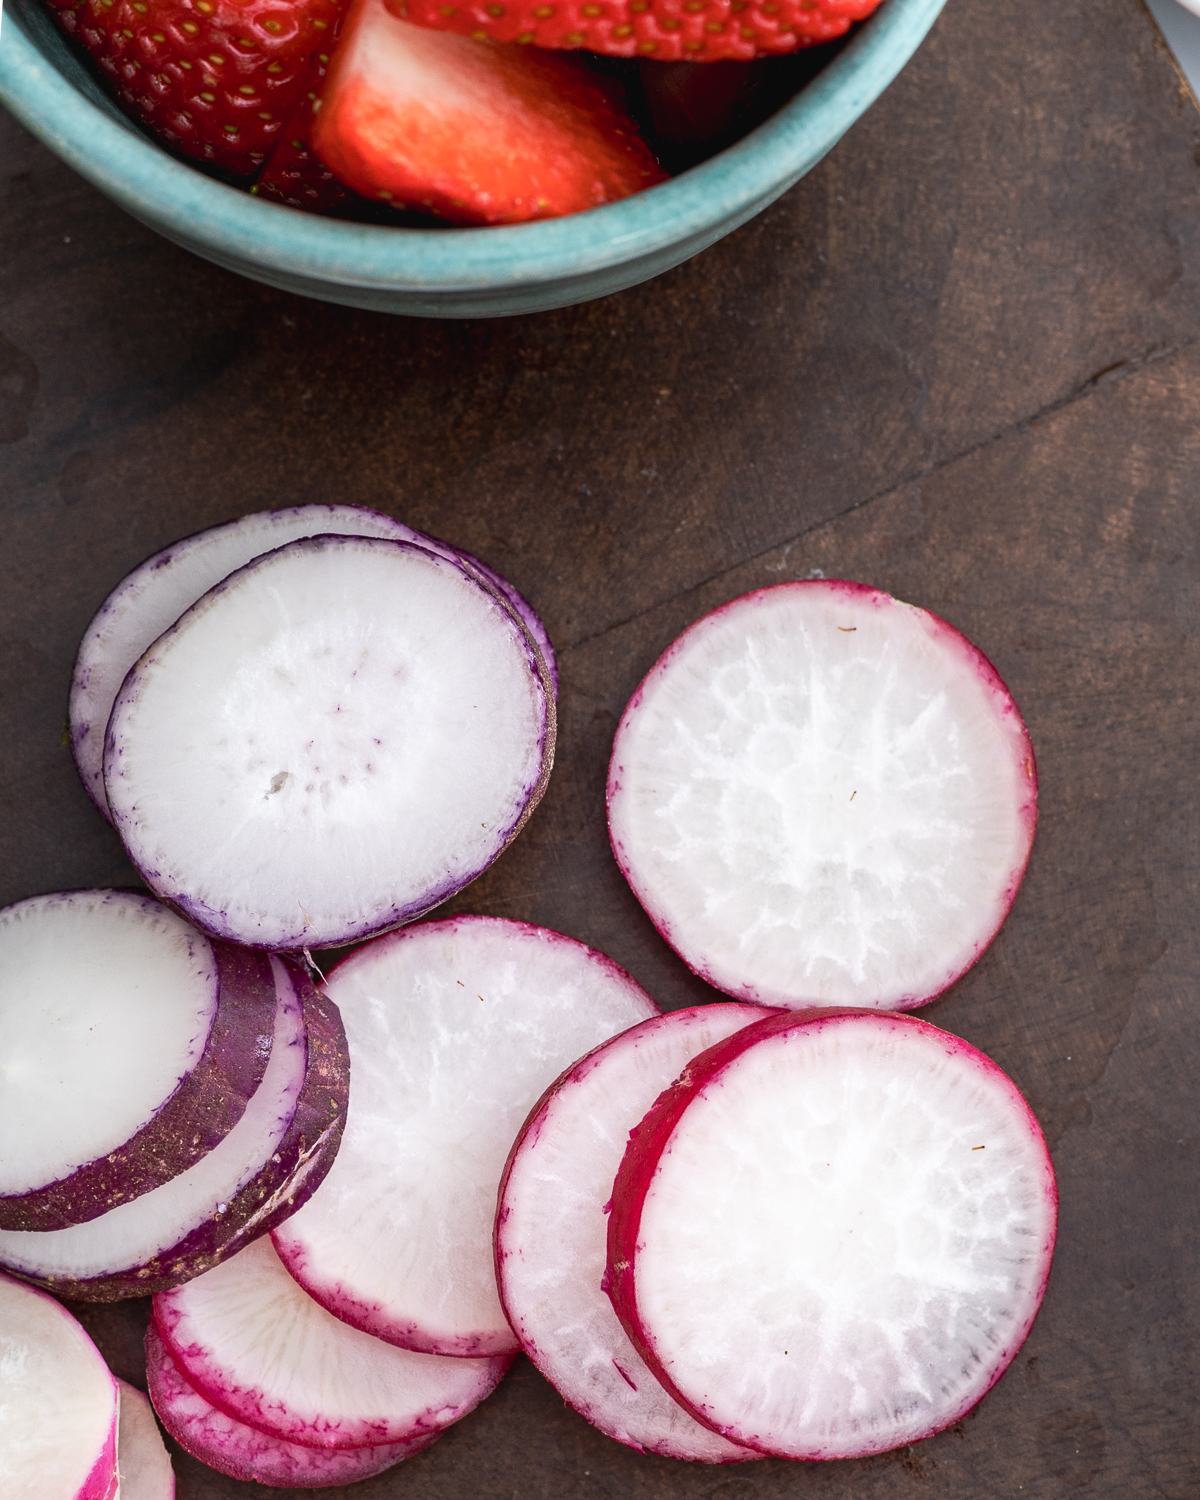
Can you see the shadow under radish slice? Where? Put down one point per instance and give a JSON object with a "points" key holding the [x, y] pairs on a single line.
{"points": [[455, 1028], [257, 1346], [267, 1165], [822, 795], [142, 1459], [58, 1403], [552, 1229], [149, 600], [329, 743], [243, 1452], [130, 1047], [832, 1234]]}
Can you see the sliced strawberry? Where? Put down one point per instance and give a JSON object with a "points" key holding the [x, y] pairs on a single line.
{"points": [[215, 79], [667, 30], [294, 174], [476, 133]]}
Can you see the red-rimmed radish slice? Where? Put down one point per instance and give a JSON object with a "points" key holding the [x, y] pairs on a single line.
{"points": [[331, 742], [243, 1452], [552, 1232], [151, 598], [58, 1403], [455, 1028], [130, 1047], [257, 1346], [824, 796], [142, 1458], [267, 1165], [831, 1235]]}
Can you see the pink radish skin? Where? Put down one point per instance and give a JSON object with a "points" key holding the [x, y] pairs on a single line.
{"points": [[833, 1351], [822, 795], [551, 1232], [455, 1028], [143, 1462], [58, 1403], [149, 600], [261, 1350], [271, 1162], [96, 959], [242, 1452]]}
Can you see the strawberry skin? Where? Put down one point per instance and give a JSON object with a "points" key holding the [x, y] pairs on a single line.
{"points": [[471, 131], [217, 80], [665, 30]]}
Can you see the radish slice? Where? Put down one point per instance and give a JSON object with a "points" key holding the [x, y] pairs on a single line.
{"points": [[455, 1028], [259, 1348], [231, 1447], [551, 1232], [832, 1234], [329, 743], [142, 1459], [151, 598], [820, 794], [130, 1046], [58, 1403], [268, 1164]]}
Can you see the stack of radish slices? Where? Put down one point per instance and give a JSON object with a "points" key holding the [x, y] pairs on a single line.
{"points": [[168, 1098], [68, 1430], [827, 1237]]}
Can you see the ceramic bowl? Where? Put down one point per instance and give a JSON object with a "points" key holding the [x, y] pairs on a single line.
{"points": [[453, 273]]}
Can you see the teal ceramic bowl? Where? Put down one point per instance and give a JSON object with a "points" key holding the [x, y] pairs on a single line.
{"points": [[444, 273]]}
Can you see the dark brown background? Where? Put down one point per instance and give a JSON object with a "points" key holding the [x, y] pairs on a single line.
{"points": [[959, 361]]}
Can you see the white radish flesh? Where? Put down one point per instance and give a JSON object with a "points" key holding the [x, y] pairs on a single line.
{"points": [[256, 1345], [243, 1452], [142, 1459], [329, 743], [552, 1231], [455, 1028], [129, 1046], [268, 1162], [832, 1234], [824, 796], [58, 1403]]}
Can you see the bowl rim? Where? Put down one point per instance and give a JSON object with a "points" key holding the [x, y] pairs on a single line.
{"points": [[187, 205]]}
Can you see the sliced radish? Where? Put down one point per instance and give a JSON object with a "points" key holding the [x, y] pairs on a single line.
{"points": [[329, 743], [268, 1164], [257, 1346], [823, 795], [142, 1459], [58, 1403], [151, 598], [552, 1231], [234, 1448], [455, 1028], [130, 1047], [831, 1235]]}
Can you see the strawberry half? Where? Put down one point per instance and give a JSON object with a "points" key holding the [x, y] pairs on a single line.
{"points": [[215, 79], [666, 30], [473, 132]]}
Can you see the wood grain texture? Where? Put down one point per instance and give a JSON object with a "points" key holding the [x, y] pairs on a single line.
{"points": [[959, 361]]}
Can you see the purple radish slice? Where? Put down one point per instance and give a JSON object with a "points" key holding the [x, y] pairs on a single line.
{"points": [[143, 1462], [824, 796], [58, 1403], [258, 1347], [268, 1164], [552, 1232], [130, 1047], [243, 1452], [151, 598], [455, 1028], [831, 1235], [331, 742]]}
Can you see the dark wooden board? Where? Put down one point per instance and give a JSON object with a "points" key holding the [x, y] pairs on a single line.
{"points": [[960, 361]]}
